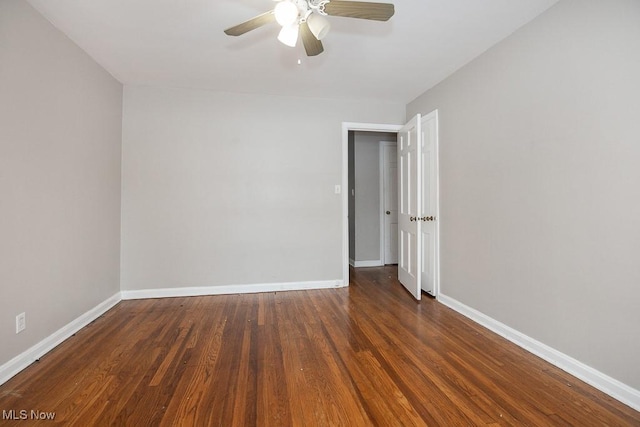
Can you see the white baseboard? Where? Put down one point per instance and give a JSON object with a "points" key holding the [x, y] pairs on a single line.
{"points": [[229, 289], [614, 388], [23, 360], [372, 263]]}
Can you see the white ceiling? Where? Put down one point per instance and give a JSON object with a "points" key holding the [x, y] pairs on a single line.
{"points": [[180, 43]]}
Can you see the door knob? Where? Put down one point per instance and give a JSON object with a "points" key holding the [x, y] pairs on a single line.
{"points": [[388, 212], [412, 218]]}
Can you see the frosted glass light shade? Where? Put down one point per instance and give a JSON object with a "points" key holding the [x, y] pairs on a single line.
{"points": [[318, 25], [286, 13], [289, 35]]}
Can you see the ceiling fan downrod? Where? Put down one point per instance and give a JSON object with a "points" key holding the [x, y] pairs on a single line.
{"points": [[318, 6]]}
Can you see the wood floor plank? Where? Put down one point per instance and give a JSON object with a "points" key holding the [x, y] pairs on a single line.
{"points": [[359, 356], [198, 374]]}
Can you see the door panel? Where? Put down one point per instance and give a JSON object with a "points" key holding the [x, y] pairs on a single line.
{"points": [[409, 191], [428, 260]]}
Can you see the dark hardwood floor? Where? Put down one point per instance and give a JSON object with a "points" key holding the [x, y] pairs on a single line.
{"points": [[358, 356]]}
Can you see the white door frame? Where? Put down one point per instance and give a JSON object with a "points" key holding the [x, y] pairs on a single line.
{"points": [[373, 127], [346, 127]]}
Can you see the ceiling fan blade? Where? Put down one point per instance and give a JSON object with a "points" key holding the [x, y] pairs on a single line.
{"points": [[312, 45], [360, 9], [251, 24]]}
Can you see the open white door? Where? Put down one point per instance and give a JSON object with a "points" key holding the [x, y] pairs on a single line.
{"points": [[409, 205]]}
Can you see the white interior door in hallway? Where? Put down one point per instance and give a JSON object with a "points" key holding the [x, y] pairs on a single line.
{"points": [[389, 197], [418, 205]]}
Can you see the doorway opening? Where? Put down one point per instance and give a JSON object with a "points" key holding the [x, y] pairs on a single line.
{"points": [[372, 195], [375, 133], [418, 202]]}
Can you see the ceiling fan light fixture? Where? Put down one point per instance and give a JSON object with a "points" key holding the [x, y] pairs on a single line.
{"points": [[305, 19], [286, 13], [289, 35], [318, 25]]}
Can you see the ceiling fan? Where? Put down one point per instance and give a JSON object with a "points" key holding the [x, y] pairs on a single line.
{"points": [[306, 18]]}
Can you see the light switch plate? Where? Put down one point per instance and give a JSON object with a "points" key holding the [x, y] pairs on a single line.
{"points": [[21, 322]]}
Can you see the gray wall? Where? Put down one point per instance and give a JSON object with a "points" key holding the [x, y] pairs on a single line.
{"points": [[540, 182], [60, 134], [226, 189], [367, 197]]}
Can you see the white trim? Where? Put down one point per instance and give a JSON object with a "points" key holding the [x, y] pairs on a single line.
{"points": [[381, 195], [371, 263], [614, 388], [346, 127], [23, 360], [194, 291]]}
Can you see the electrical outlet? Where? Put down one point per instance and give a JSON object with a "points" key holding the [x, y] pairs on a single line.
{"points": [[21, 322]]}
